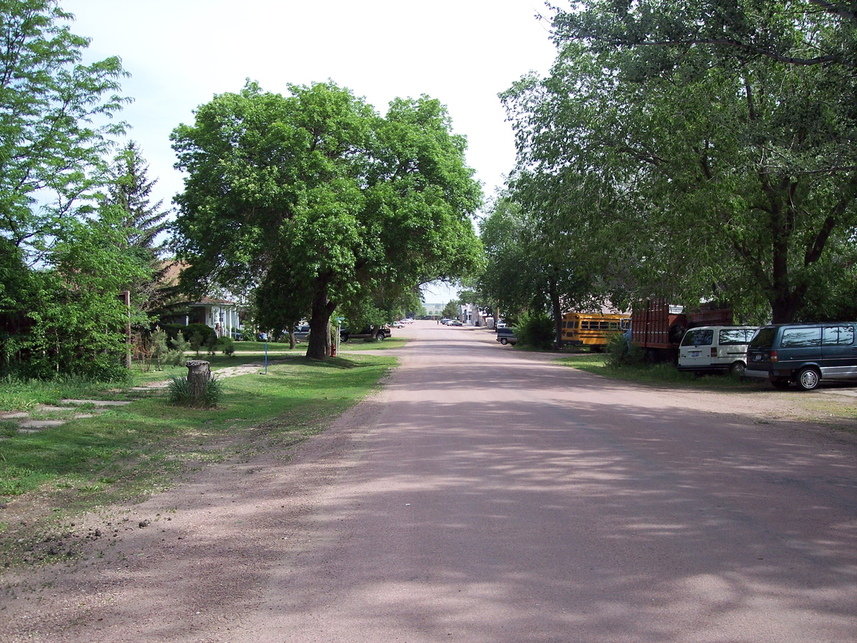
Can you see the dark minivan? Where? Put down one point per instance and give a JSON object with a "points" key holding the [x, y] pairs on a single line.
{"points": [[803, 353]]}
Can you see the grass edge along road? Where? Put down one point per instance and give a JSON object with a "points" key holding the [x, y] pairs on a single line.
{"points": [[834, 411], [130, 452]]}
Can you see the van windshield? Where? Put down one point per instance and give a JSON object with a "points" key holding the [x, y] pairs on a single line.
{"points": [[764, 338], [698, 337]]}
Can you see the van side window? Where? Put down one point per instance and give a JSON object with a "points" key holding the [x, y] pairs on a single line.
{"points": [[698, 338], [838, 335], [801, 337], [735, 336]]}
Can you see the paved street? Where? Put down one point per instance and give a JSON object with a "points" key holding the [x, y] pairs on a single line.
{"points": [[501, 497], [488, 494]]}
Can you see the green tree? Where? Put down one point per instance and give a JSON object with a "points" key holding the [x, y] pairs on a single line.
{"points": [[532, 263], [78, 320], [130, 192], [452, 309], [707, 147], [63, 265], [54, 122], [321, 200]]}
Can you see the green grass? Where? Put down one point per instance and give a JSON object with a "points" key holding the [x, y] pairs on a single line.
{"points": [[17, 395], [133, 450], [259, 347], [657, 374], [362, 345]]}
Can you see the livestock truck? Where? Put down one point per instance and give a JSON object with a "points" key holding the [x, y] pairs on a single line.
{"points": [[657, 326]]}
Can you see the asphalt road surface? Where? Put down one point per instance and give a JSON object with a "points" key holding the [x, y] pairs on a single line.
{"points": [[488, 494]]}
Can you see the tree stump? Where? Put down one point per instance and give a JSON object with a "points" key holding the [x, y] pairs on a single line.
{"points": [[198, 374]]}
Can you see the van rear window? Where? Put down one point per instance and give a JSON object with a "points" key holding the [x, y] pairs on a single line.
{"points": [[764, 338]]}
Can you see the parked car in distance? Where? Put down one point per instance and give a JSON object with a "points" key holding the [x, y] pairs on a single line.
{"points": [[398, 324], [369, 332], [301, 332], [715, 349], [506, 335], [455, 322], [804, 354]]}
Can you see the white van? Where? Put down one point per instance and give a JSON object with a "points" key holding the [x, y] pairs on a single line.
{"points": [[715, 349]]}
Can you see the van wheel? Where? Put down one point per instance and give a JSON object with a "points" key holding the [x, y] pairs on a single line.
{"points": [[808, 379], [737, 369], [379, 336], [780, 382], [504, 341]]}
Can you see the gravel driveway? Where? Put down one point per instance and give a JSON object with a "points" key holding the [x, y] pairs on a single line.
{"points": [[488, 494]]}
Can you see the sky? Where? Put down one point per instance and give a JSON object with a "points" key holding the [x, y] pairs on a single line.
{"points": [[180, 53]]}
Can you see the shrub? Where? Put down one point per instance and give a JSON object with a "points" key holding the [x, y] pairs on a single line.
{"points": [[211, 343], [227, 345], [620, 352], [176, 356], [174, 331], [160, 350], [179, 392], [196, 341], [536, 330]]}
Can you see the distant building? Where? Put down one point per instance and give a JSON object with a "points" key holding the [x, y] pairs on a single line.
{"points": [[434, 310], [222, 315]]}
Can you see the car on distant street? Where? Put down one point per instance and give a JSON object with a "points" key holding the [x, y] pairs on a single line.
{"points": [[506, 336], [454, 322]]}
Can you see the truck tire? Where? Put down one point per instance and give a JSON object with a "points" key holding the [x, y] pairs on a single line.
{"points": [[737, 369], [504, 341]]}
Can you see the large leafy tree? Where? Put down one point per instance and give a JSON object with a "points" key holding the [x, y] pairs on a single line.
{"points": [[61, 264], [532, 264], [708, 146], [319, 202], [55, 120]]}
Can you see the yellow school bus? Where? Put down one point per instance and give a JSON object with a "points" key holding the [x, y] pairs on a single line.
{"points": [[592, 329]]}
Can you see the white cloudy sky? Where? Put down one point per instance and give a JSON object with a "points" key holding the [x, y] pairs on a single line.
{"points": [[181, 52]]}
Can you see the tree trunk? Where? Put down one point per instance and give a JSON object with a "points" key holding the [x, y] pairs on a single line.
{"points": [[557, 312], [198, 374], [319, 337]]}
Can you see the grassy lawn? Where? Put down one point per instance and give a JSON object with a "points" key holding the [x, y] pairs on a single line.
{"points": [[133, 450], [362, 345], [658, 374], [22, 396]]}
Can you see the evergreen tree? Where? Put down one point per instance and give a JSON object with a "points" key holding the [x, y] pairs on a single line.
{"points": [[130, 191]]}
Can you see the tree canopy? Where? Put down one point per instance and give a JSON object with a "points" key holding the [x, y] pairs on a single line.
{"points": [[55, 120], [62, 263], [318, 202], [703, 149]]}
